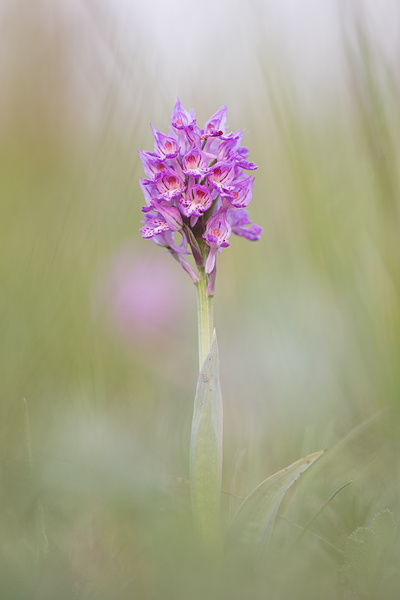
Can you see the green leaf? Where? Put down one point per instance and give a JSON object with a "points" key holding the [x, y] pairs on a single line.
{"points": [[362, 549], [366, 551], [206, 453], [250, 531], [384, 526]]}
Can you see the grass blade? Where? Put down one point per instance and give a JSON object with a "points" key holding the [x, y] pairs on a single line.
{"points": [[315, 517], [250, 531]]}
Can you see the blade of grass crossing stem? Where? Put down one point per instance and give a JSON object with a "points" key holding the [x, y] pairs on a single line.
{"points": [[315, 517], [249, 533], [206, 454]]}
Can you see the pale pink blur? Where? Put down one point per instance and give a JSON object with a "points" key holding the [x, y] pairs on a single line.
{"points": [[146, 295]]}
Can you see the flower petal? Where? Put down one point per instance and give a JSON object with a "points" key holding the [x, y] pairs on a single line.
{"points": [[152, 164], [164, 146], [221, 175], [195, 163], [170, 185], [218, 230], [242, 226], [197, 201], [239, 192], [180, 117], [154, 226], [215, 126]]}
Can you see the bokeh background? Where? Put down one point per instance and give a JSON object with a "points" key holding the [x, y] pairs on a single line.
{"points": [[98, 327]]}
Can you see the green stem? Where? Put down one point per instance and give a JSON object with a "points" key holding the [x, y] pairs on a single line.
{"points": [[205, 317], [206, 436]]}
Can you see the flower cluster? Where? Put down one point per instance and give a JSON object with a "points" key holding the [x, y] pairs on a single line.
{"points": [[195, 184]]}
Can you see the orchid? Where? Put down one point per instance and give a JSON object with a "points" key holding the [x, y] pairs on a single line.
{"points": [[217, 234], [196, 202], [193, 181], [240, 192], [195, 185], [195, 163], [154, 227], [170, 184], [239, 222]]}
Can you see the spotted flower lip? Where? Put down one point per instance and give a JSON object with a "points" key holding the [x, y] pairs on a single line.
{"points": [[164, 146], [170, 185], [196, 202], [221, 174], [195, 163], [155, 225], [166, 238], [240, 192]]}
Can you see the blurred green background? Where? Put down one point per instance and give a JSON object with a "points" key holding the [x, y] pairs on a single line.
{"points": [[98, 328]]}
